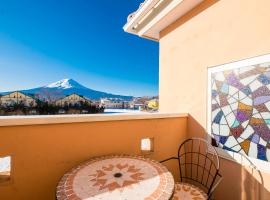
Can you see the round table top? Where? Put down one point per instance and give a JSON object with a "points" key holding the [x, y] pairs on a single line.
{"points": [[117, 178]]}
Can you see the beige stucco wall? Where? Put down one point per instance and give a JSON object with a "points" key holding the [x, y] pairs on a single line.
{"points": [[214, 33]]}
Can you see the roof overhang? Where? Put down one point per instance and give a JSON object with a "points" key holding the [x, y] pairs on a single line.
{"points": [[155, 15]]}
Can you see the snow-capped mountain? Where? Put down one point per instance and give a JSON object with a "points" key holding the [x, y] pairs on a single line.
{"points": [[66, 87], [65, 84]]}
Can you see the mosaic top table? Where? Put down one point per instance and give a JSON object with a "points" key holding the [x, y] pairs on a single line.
{"points": [[117, 178]]}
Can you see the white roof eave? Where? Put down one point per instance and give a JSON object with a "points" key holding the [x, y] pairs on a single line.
{"points": [[147, 6], [167, 15]]}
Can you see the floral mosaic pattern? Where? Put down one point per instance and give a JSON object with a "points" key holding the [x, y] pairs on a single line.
{"points": [[241, 110], [185, 191], [117, 177]]}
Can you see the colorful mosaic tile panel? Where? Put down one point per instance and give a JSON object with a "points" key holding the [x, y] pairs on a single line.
{"points": [[117, 177], [240, 101]]}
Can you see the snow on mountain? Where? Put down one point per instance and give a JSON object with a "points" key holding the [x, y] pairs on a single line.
{"points": [[66, 87], [65, 84]]}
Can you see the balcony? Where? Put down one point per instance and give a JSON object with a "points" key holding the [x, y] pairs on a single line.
{"points": [[41, 153]]}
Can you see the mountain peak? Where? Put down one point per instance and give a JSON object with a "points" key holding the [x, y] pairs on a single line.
{"points": [[65, 84], [65, 87]]}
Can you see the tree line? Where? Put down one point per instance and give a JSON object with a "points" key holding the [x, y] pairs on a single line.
{"points": [[47, 108]]}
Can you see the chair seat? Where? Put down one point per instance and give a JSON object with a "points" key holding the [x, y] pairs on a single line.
{"points": [[186, 191]]}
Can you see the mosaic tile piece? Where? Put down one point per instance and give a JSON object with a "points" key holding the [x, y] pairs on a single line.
{"points": [[256, 121], [261, 100], [245, 145], [242, 106], [255, 138], [255, 85], [248, 73], [227, 110], [241, 110], [218, 117], [222, 140], [224, 130], [253, 150], [242, 116], [265, 115], [267, 121], [262, 142], [233, 80], [230, 119], [260, 108], [246, 90], [235, 124], [261, 152], [263, 131], [225, 88], [261, 91], [264, 79], [236, 132]]}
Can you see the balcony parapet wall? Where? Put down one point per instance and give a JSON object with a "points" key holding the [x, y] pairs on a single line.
{"points": [[42, 150]]}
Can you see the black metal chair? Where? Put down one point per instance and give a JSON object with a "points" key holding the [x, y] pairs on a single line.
{"points": [[199, 169]]}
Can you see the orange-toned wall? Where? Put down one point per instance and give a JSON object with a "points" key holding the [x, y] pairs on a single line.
{"points": [[42, 153], [214, 33]]}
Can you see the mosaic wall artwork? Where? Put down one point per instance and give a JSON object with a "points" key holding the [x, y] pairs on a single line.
{"points": [[240, 109]]}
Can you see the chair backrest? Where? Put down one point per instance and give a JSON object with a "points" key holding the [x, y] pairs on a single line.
{"points": [[198, 163]]}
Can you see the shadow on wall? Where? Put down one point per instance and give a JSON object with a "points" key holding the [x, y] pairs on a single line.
{"points": [[239, 182], [252, 183]]}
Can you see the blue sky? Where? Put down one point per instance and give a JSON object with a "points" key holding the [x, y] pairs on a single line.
{"points": [[45, 41]]}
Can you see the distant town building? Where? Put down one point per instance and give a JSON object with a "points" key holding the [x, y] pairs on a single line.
{"points": [[95, 102], [17, 98], [72, 99], [113, 103], [144, 103], [136, 105]]}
